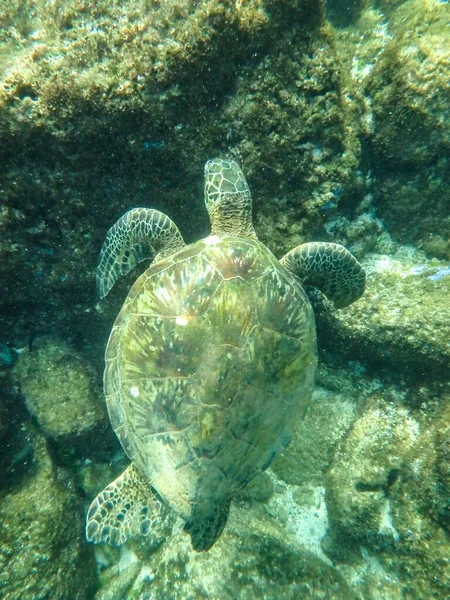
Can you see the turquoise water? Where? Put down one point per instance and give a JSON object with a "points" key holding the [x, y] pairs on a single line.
{"points": [[253, 473]]}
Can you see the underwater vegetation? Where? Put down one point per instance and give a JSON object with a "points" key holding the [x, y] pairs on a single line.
{"points": [[338, 113]]}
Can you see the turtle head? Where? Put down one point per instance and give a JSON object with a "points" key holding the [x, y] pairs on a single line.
{"points": [[228, 199]]}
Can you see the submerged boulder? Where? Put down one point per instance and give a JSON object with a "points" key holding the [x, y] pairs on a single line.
{"points": [[261, 554], [387, 499], [407, 92], [401, 321], [61, 390], [364, 468], [42, 548]]}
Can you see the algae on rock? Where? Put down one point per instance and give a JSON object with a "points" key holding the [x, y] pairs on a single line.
{"points": [[305, 461], [259, 557], [365, 466], [387, 498]]}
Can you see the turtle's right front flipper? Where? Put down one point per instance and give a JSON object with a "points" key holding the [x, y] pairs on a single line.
{"points": [[141, 233], [329, 267], [126, 508]]}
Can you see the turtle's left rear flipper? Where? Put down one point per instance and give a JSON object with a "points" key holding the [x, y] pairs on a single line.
{"points": [[126, 508]]}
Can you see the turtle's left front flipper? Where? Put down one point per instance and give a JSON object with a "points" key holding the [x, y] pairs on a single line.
{"points": [[126, 508], [140, 234], [329, 267]]}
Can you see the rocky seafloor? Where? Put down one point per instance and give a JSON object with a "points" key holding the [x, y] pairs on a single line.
{"points": [[339, 114]]}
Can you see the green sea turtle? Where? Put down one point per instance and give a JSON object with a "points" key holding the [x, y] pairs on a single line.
{"points": [[211, 361]]}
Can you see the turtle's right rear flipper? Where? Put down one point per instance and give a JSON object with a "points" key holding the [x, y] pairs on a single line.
{"points": [[205, 532], [126, 508]]}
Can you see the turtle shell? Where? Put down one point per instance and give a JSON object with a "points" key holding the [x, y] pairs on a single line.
{"points": [[209, 367]]}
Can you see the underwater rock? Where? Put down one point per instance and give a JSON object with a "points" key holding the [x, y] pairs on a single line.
{"points": [[308, 455], [429, 468], [420, 513], [388, 486], [342, 12], [258, 556], [16, 452], [442, 466], [42, 550], [401, 321], [395, 57], [4, 416], [61, 390], [408, 86], [410, 109], [364, 468]]}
